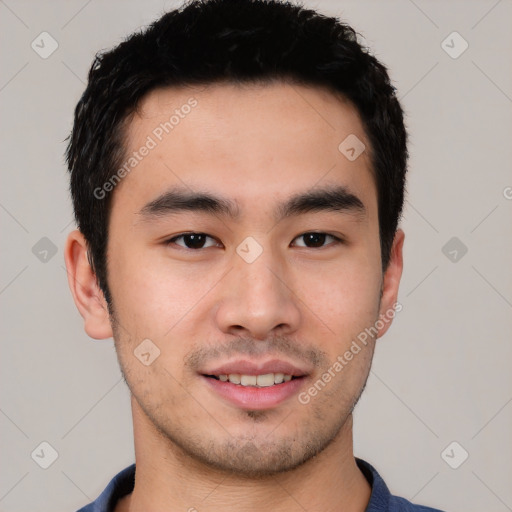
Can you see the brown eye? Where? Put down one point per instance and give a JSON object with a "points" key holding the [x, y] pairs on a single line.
{"points": [[315, 239], [193, 240]]}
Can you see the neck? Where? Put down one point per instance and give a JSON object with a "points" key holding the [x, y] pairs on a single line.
{"points": [[168, 480]]}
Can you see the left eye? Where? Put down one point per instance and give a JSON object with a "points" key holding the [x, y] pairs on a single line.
{"points": [[315, 239]]}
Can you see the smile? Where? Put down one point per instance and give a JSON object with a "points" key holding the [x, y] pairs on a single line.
{"points": [[260, 381], [254, 392]]}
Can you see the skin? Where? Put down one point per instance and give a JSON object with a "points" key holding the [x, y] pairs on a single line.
{"points": [[257, 145]]}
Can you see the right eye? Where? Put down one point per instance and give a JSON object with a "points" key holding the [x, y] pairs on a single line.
{"points": [[193, 241]]}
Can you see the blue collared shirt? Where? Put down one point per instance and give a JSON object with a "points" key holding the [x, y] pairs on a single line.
{"points": [[381, 500]]}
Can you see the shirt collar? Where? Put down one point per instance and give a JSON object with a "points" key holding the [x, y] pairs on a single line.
{"points": [[124, 482]]}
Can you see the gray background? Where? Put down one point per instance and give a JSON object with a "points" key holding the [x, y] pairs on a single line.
{"points": [[441, 374]]}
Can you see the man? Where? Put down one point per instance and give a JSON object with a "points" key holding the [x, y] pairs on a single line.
{"points": [[237, 174]]}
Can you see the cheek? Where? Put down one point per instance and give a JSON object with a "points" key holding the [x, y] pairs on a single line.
{"points": [[161, 302], [152, 295], [343, 294]]}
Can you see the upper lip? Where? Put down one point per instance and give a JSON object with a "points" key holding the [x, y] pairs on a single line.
{"points": [[245, 367]]}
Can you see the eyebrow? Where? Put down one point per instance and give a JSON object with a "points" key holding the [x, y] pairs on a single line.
{"points": [[327, 199]]}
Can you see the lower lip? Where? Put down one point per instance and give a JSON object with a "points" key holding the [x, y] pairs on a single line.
{"points": [[252, 397]]}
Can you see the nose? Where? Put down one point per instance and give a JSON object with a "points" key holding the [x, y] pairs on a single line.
{"points": [[257, 299]]}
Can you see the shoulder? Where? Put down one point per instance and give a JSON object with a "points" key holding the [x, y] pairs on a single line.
{"points": [[398, 504], [121, 485], [381, 499]]}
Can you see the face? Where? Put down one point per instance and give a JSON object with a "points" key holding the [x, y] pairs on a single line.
{"points": [[244, 261]]}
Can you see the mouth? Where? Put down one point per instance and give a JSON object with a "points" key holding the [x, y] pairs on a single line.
{"points": [[252, 386], [260, 381]]}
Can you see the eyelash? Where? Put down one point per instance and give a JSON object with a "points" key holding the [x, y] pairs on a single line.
{"points": [[336, 240]]}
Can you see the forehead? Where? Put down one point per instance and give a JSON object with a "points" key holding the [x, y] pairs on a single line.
{"points": [[248, 139]]}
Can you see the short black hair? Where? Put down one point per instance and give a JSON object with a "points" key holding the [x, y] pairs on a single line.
{"points": [[234, 41]]}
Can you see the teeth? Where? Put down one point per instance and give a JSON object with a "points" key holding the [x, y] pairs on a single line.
{"points": [[262, 381], [234, 378], [265, 380], [248, 380]]}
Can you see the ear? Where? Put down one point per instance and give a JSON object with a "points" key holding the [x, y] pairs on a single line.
{"points": [[390, 284], [87, 294]]}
